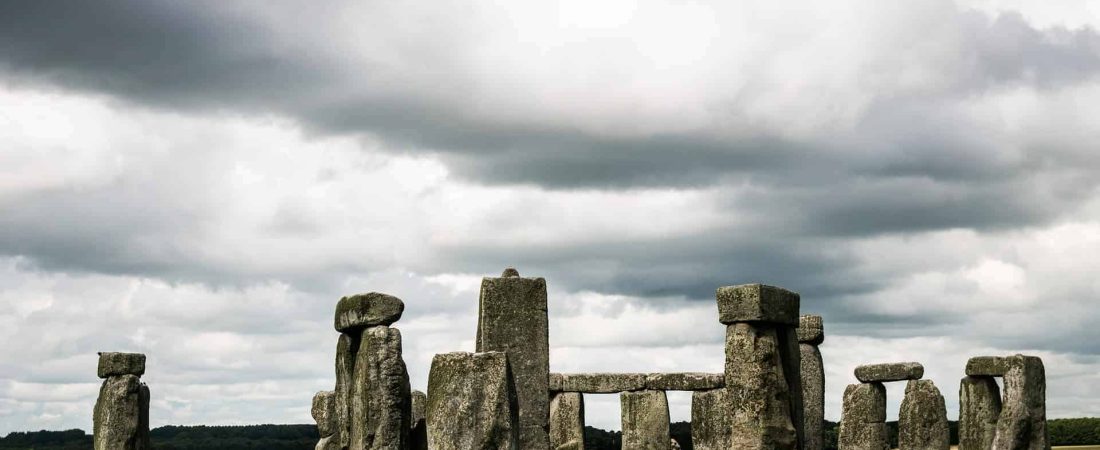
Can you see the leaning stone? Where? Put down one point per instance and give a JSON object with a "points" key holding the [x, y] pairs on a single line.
{"points": [[471, 402], [567, 421], [862, 436], [684, 381], [757, 385], [324, 412], [979, 407], [865, 403], [512, 318], [380, 404], [922, 420], [990, 366], [116, 419], [811, 330], [889, 372], [645, 420], [1022, 423], [346, 349], [601, 383], [813, 397], [418, 434], [114, 363], [757, 303], [367, 310], [710, 420]]}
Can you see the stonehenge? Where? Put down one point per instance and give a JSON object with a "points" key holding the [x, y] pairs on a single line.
{"points": [[120, 420], [770, 394], [1014, 420]]}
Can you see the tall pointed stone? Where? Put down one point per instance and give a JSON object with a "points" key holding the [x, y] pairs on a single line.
{"points": [[922, 421], [645, 420], [512, 318], [567, 421], [810, 335], [471, 403], [979, 408]]}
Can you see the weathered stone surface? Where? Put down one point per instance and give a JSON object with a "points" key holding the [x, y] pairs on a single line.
{"points": [[862, 436], [597, 383], [645, 420], [922, 420], [324, 412], [116, 420], [813, 397], [979, 408], [811, 330], [684, 381], [865, 403], [567, 421], [889, 372], [380, 403], [757, 303], [327, 443], [1022, 423], [367, 310], [758, 388], [512, 318], [418, 434], [346, 348], [471, 402], [115, 363], [711, 426], [991, 366], [791, 357]]}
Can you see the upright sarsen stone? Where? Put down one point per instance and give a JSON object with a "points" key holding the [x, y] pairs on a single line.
{"points": [[1022, 423], [471, 402], [711, 426], [117, 416], [757, 385], [380, 404], [346, 349], [979, 408], [863, 419], [418, 434], [567, 421], [922, 421], [645, 420], [810, 334], [512, 318]]}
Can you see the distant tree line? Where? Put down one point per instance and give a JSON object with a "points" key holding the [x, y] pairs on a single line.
{"points": [[1083, 431]]}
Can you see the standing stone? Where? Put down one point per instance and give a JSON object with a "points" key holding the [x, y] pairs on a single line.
{"points": [[645, 420], [979, 407], [922, 421], [863, 419], [810, 335], [711, 426], [418, 434], [117, 416], [346, 349], [143, 419], [324, 413], [380, 404], [567, 421], [759, 393], [471, 402], [512, 318], [1022, 423], [790, 357]]}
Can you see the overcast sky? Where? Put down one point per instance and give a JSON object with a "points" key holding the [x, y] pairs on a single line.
{"points": [[202, 181]]}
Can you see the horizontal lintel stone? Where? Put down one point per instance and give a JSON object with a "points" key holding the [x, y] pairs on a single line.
{"points": [[597, 383], [685, 381], [115, 363], [889, 372], [990, 366], [757, 303], [367, 310]]}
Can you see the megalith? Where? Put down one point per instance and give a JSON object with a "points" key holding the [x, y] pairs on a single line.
{"points": [[471, 402], [863, 419], [711, 426], [120, 420], [645, 420], [979, 408], [762, 370], [811, 334], [567, 421], [380, 393], [418, 433], [1022, 422], [922, 420], [324, 413], [512, 318]]}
